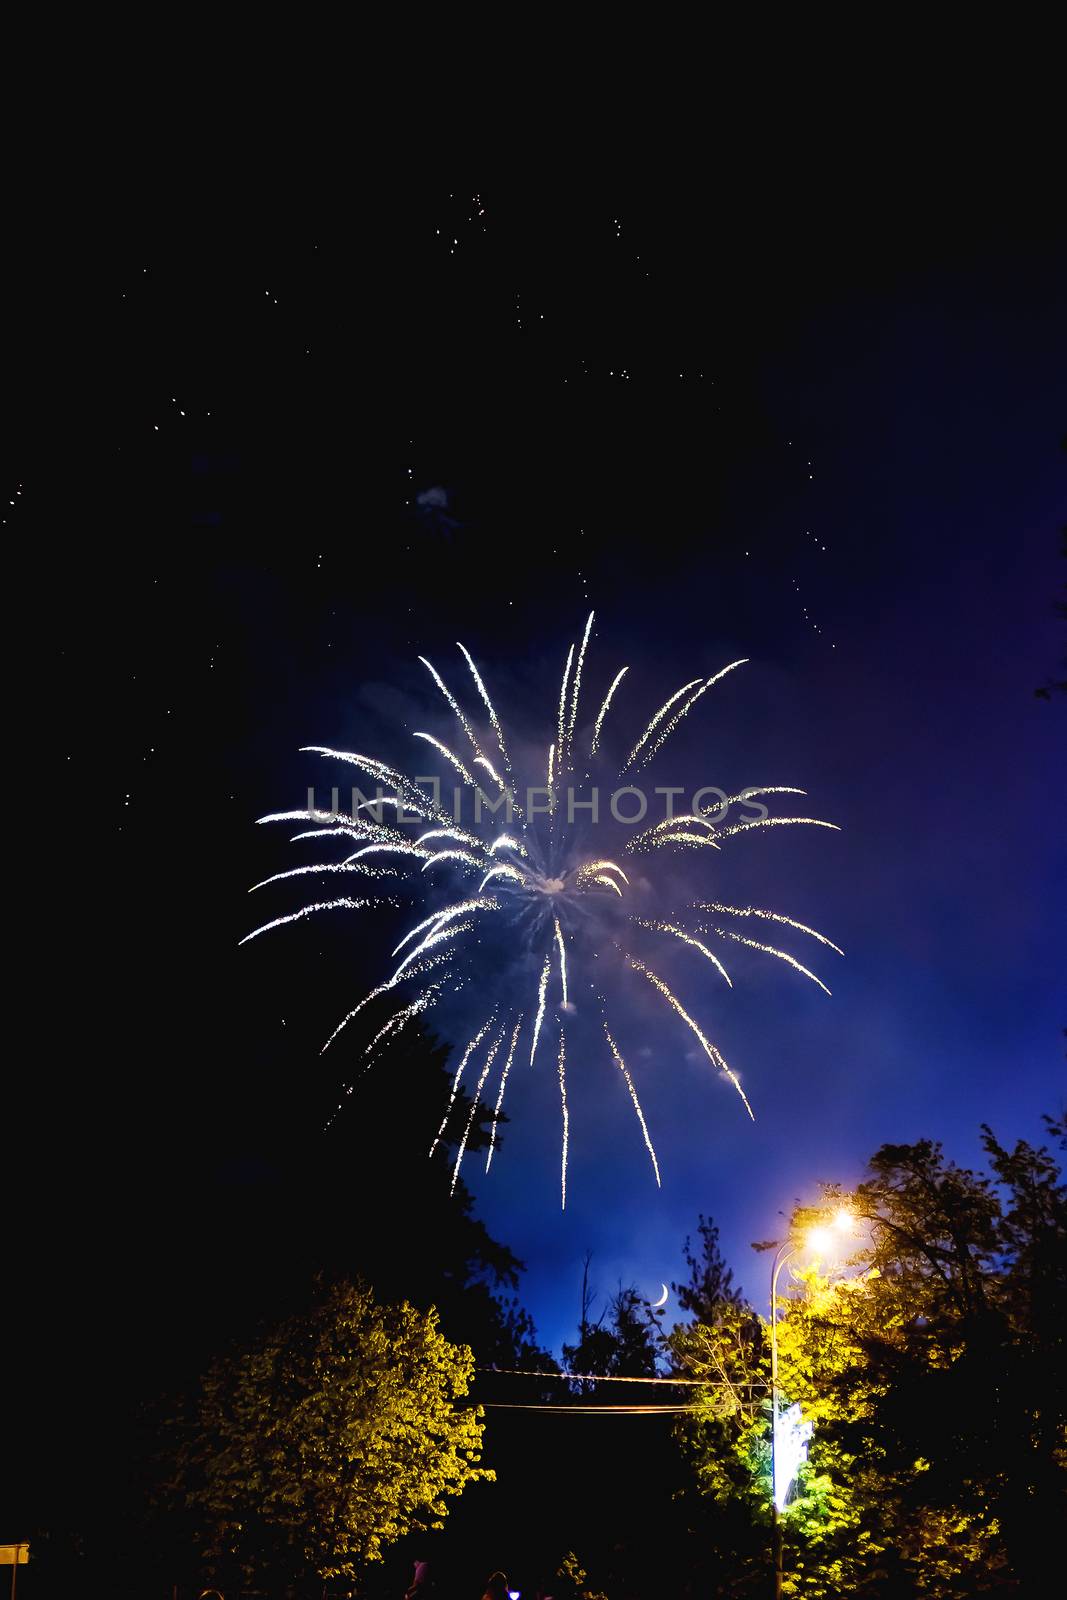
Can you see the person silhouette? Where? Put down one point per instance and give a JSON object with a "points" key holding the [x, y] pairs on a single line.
{"points": [[422, 1586]]}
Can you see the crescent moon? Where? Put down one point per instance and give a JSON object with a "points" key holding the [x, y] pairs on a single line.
{"points": [[662, 1301]]}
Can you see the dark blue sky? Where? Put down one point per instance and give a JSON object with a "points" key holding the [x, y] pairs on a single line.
{"points": [[913, 434], [937, 489], [607, 413]]}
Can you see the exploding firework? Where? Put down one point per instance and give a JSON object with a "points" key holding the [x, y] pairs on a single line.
{"points": [[513, 899]]}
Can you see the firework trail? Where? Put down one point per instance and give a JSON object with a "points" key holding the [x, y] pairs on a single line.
{"points": [[309, 911], [542, 991], [496, 906], [776, 822], [604, 866], [578, 683], [654, 724], [686, 938], [602, 713], [608, 883], [769, 916], [687, 706], [621, 1064], [460, 834], [449, 755], [710, 1050], [561, 734], [504, 841], [562, 961], [502, 871], [395, 1025], [407, 791], [327, 866], [769, 950], [500, 1095], [464, 724], [490, 1056], [448, 855], [471, 1048], [435, 937], [493, 720], [446, 915]]}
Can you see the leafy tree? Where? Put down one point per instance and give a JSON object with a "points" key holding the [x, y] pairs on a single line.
{"points": [[725, 1440], [334, 1434], [932, 1367]]}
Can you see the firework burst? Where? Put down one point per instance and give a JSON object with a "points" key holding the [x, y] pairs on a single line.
{"points": [[520, 906]]}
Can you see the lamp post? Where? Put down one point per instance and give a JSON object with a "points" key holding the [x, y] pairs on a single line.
{"points": [[776, 1267], [816, 1239]]}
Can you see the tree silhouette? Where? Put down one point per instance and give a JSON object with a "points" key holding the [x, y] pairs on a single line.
{"points": [[710, 1279], [932, 1365]]}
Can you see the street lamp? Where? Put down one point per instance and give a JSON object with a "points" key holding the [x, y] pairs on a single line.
{"points": [[821, 1241]]}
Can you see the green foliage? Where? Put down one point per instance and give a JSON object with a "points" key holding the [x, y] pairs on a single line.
{"points": [[572, 1581], [932, 1365], [726, 1441], [334, 1434]]}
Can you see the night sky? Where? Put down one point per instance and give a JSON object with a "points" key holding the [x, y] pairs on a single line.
{"points": [[300, 445]]}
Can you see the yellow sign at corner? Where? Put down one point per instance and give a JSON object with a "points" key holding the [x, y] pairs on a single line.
{"points": [[14, 1555]]}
